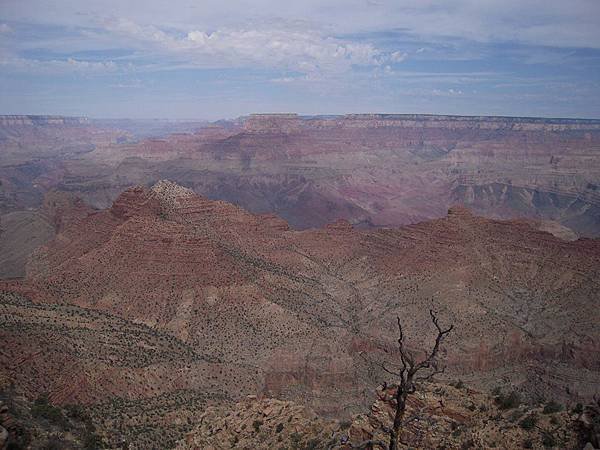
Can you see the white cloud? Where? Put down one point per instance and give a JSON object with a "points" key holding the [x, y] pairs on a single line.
{"points": [[538, 22], [398, 56], [286, 79], [4, 28], [290, 47], [55, 66]]}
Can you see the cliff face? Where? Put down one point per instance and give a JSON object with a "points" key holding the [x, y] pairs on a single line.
{"points": [[373, 170], [289, 123], [297, 308]]}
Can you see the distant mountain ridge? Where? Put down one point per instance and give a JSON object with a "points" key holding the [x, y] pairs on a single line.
{"points": [[21, 120], [287, 121]]}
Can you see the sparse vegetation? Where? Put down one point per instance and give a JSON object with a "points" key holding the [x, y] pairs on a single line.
{"points": [[552, 407], [548, 439], [508, 401], [409, 373], [256, 425], [528, 423], [43, 409]]}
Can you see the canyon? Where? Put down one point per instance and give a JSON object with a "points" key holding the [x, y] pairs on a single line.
{"points": [[373, 170], [277, 259], [167, 294]]}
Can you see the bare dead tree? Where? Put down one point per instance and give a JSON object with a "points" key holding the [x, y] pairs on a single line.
{"points": [[409, 373]]}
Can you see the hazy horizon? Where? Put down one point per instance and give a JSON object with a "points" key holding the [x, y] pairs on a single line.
{"points": [[301, 115]]}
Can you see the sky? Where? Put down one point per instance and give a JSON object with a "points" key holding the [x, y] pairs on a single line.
{"points": [[213, 59]]}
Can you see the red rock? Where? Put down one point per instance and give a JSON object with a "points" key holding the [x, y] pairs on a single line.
{"points": [[301, 306]]}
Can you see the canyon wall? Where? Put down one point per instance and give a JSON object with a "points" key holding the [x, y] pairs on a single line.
{"points": [[302, 307], [374, 170]]}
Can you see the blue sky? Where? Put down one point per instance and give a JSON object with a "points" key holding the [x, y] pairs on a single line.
{"points": [[210, 59]]}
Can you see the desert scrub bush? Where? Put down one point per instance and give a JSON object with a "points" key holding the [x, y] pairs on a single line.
{"points": [[508, 401], [256, 425], [54, 442], [43, 409], [91, 441], [76, 412], [528, 422], [345, 424], [459, 384], [516, 415], [548, 440], [552, 407]]}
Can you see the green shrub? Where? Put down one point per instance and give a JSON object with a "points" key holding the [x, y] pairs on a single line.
{"points": [[312, 444], [516, 415], [467, 444], [548, 440], [53, 443], [345, 424], [92, 441], [528, 422], [509, 401], [76, 412], [459, 384], [43, 409], [552, 407], [256, 425], [578, 409]]}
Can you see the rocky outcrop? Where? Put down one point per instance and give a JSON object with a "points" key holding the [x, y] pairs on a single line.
{"points": [[260, 424], [437, 416]]}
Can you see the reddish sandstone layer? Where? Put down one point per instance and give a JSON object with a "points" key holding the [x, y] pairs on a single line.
{"points": [[300, 307], [382, 170], [373, 169]]}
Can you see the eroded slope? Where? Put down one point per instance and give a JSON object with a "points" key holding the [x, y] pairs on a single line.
{"points": [[299, 307]]}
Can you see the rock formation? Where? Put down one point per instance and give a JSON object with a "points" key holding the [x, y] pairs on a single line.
{"points": [[299, 306], [168, 302], [371, 169], [442, 416]]}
